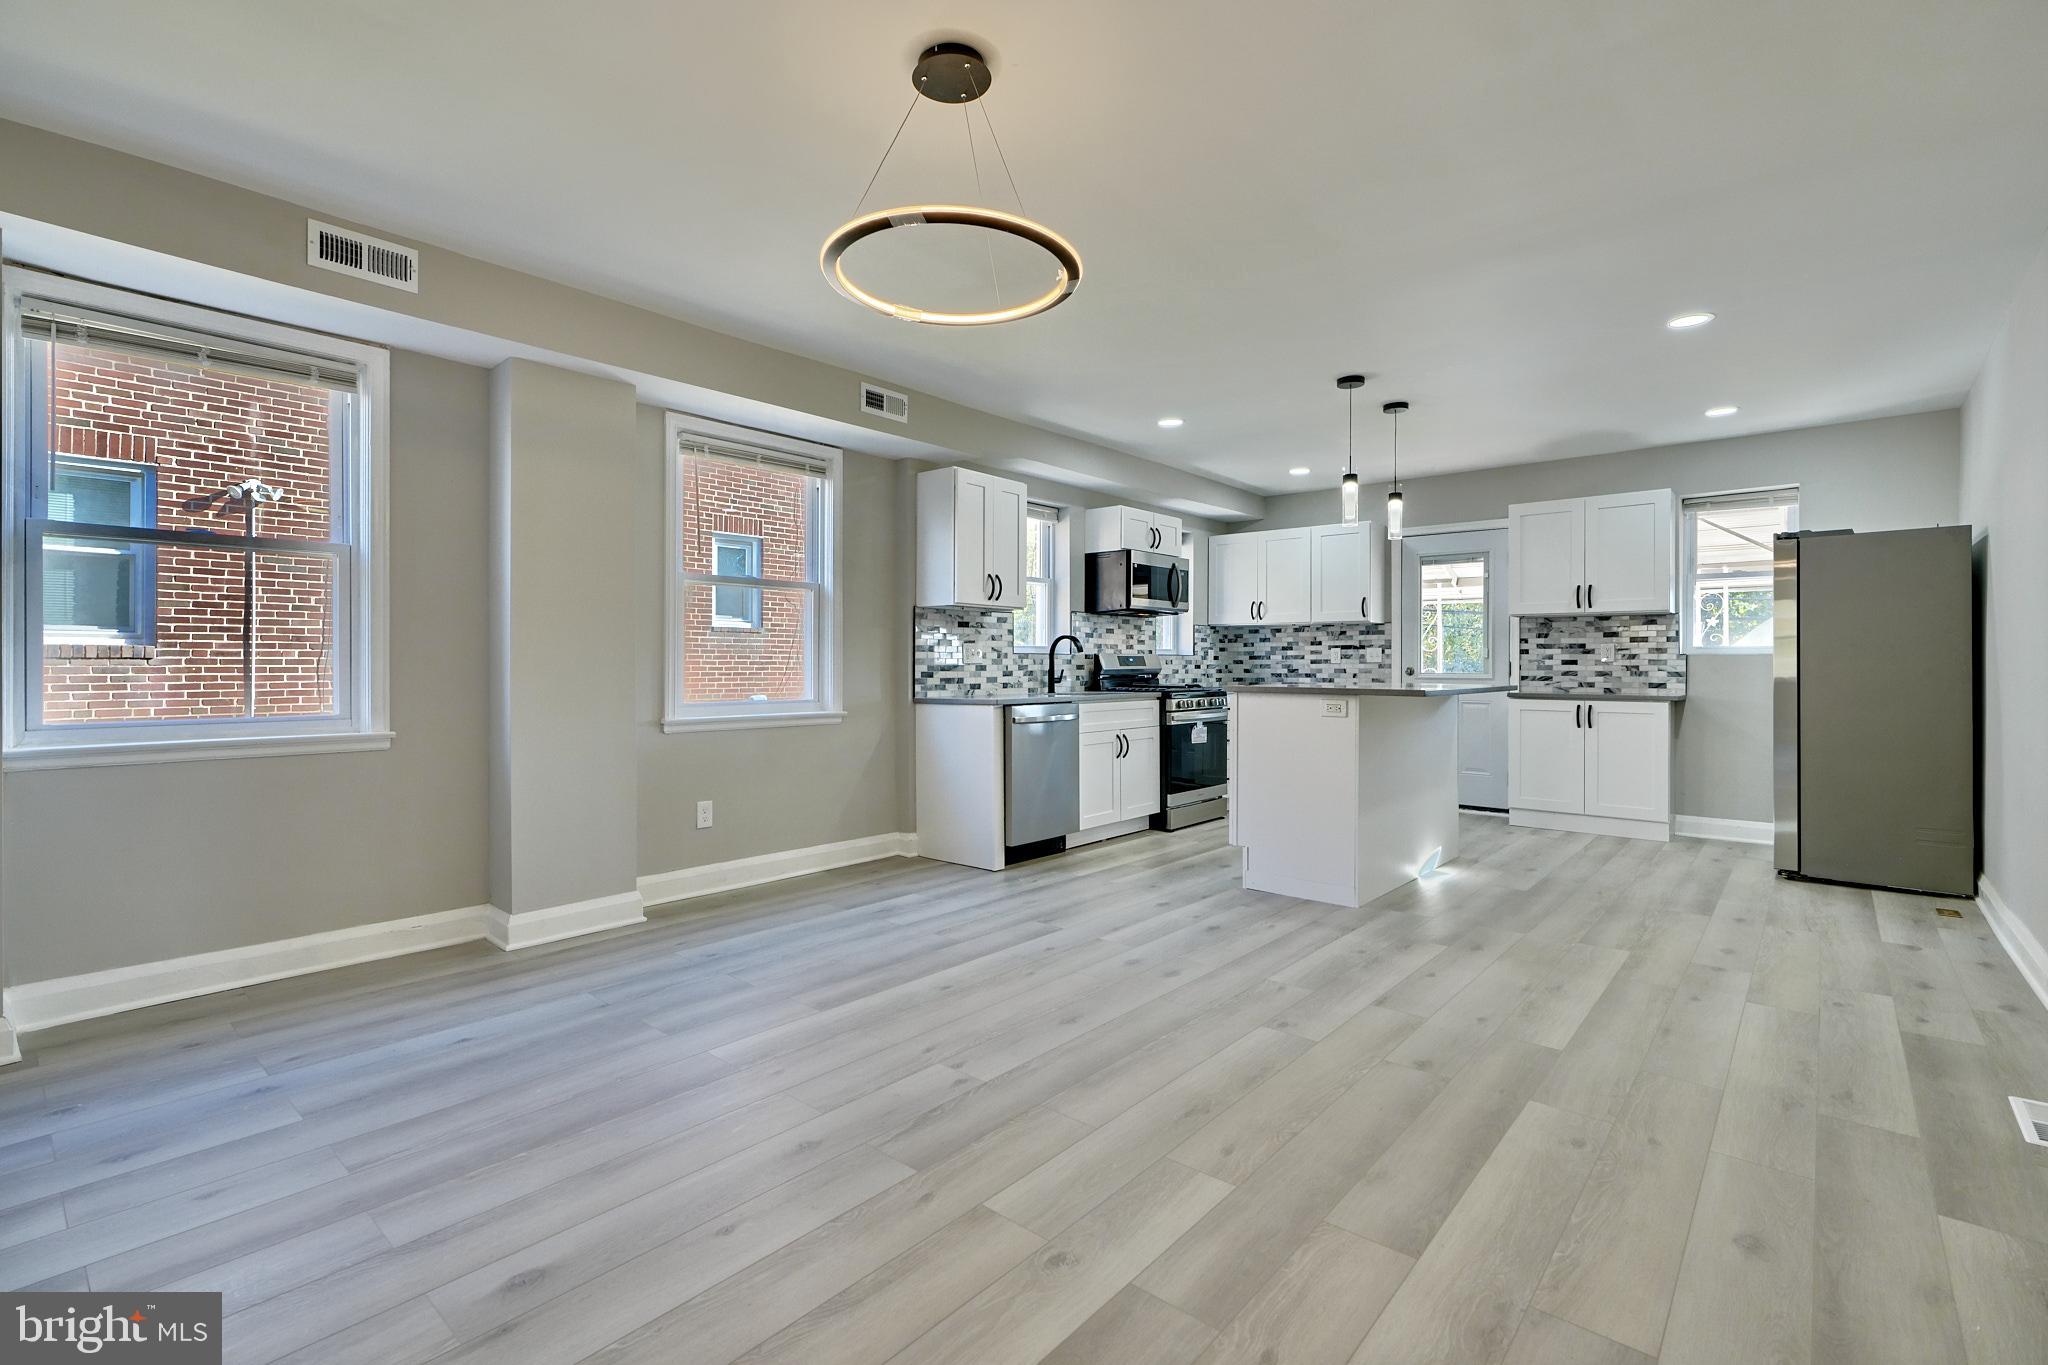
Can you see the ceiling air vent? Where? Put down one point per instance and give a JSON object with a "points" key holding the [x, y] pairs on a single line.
{"points": [[876, 401], [367, 258]]}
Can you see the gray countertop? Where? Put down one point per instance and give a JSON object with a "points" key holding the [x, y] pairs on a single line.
{"points": [[1036, 698], [1533, 694], [1328, 690]]}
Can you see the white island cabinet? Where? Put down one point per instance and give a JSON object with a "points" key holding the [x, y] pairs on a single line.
{"points": [[1341, 794]]}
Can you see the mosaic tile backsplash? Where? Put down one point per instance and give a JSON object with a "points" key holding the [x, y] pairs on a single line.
{"points": [[1562, 654], [942, 639]]}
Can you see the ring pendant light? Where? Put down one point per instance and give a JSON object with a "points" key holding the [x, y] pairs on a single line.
{"points": [[952, 73]]}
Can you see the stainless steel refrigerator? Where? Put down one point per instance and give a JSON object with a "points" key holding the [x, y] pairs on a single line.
{"points": [[1873, 696]]}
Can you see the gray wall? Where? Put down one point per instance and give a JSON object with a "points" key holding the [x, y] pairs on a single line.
{"points": [[2005, 497], [778, 789], [561, 585], [1868, 476], [107, 867]]}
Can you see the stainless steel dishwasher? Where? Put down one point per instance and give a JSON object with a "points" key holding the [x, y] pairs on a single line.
{"points": [[1043, 762]]}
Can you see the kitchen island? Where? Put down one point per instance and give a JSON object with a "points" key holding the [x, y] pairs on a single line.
{"points": [[1341, 794]]}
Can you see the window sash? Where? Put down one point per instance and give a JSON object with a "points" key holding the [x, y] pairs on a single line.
{"points": [[1486, 608], [1041, 520], [1701, 583], [356, 654], [702, 439]]}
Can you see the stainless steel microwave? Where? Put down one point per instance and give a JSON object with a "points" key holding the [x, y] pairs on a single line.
{"points": [[1136, 583]]}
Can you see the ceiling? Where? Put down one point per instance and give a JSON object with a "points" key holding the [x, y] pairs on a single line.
{"points": [[1490, 207]]}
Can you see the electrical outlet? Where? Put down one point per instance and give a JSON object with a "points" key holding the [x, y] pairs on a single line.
{"points": [[975, 654], [703, 815], [1336, 708]]}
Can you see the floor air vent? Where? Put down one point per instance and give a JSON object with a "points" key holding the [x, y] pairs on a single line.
{"points": [[365, 257], [2033, 1117], [877, 401]]}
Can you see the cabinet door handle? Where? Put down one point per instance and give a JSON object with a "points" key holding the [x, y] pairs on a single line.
{"points": [[1589, 715], [988, 585], [1361, 608], [1578, 716], [1589, 594], [999, 588], [1578, 592]]}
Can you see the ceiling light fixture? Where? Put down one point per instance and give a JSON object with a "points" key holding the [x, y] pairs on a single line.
{"points": [[1347, 487], [1722, 412], [1169, 422], [1688, 320], [1299, 470], [1394, 410], [952, 73]]}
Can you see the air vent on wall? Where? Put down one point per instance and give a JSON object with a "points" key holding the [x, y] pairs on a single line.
{"points": [[877, 401], [367, 258], [2033, 1117]]}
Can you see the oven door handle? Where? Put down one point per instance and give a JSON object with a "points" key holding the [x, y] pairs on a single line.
{"points": [[1198, 718]]}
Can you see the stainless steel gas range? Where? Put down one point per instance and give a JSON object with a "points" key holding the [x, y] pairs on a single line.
{"points": [[1194, 738]]}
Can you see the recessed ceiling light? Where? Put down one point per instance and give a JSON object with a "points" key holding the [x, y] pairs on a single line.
{"points": [[1299, 470], [1685, 320], [1722, 412], [1169, 422]]}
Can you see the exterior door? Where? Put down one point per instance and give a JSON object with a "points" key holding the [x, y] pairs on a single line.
{"points": [[1455, 627]]}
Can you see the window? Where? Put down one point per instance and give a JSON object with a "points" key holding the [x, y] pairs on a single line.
{"points": [[196, 499], [1728, 568], [736, 556], [1035, 623], [1455, 639], [99, 593], [1177, 632], [751, 611]]}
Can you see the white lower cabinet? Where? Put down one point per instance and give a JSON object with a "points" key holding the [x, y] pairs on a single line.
{"points": [[1593, 766], [1119, 762]]}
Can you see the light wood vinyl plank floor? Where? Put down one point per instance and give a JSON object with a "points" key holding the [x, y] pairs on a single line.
{"points": [[1587, 1100]]}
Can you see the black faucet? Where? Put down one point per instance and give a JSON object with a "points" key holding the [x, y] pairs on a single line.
{"points": [[1052, 662]]}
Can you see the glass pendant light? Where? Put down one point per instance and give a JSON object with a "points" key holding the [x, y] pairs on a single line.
{"points": [[1347, 488], [1394, 410]]}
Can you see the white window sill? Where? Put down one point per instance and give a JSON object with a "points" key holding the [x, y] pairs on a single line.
{"points": [[185, 750], [765, 720], [1749, 651]]}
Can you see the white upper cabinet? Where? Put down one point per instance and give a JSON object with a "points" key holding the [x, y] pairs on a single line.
{"points": [[1631, 552], [970, 540], [1287, 574], [1585, 556], [1131, 528], [1342, 573], [1301, 574], [1547, 558]]}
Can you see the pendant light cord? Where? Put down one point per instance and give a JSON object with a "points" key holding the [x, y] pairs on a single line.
{"points": [[1397, 452], [1350, 412], [1014, 194], [885, 155], [974, 158]]}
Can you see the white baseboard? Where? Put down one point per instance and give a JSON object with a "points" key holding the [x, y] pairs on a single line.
{"points": [[1728, 831], [10, 1049], [665, 887], [531, 928], [1523, 818], [68, 999], [2015, 937]]}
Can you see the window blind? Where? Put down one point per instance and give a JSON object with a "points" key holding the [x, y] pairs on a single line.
{"points": [[732, 452], [76, 327], [1763, 497]]}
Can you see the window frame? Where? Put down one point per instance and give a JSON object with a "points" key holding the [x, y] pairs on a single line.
{"points": [[362, 613], [824, 708], [1055, 582], [1784, 495], [1487, 604]]}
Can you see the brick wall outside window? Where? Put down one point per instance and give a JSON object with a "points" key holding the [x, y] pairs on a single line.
{"points": [[728, 664], [203, 431]]}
